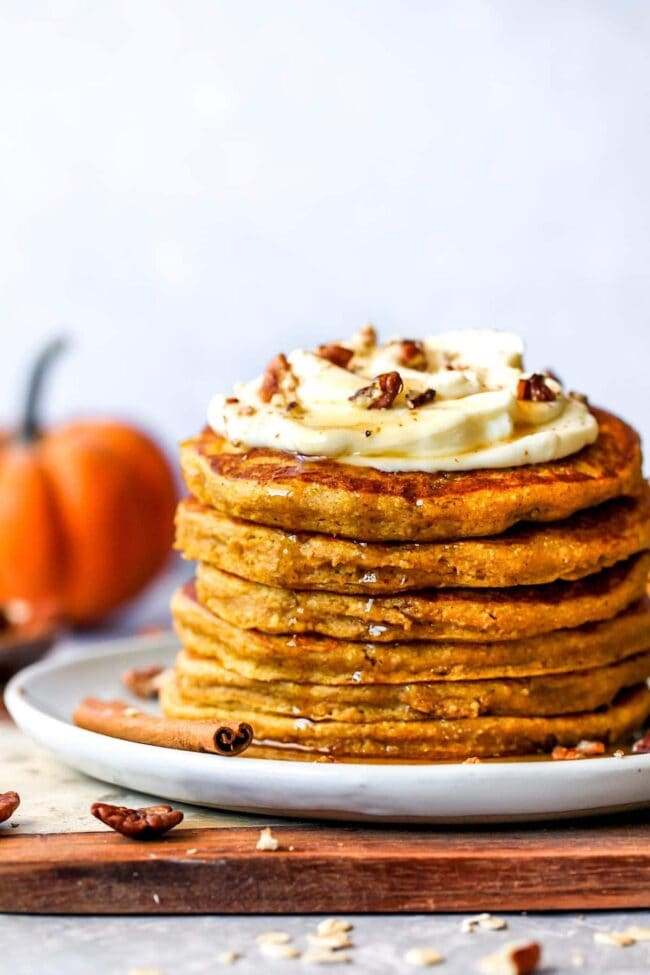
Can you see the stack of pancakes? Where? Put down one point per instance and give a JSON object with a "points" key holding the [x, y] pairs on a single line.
{"points": [[348, 611]]}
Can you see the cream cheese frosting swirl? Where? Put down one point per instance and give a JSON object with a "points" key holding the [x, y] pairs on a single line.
{"points": [[458, 401]]}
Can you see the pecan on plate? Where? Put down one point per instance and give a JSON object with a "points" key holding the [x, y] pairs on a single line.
{"points": [[137, 824], [144, 682], [9, 802], [338, 355], [411, 354], [535, 389], [380, 394]]}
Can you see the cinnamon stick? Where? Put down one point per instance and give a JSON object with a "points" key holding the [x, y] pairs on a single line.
{"points": [[120, 720]]}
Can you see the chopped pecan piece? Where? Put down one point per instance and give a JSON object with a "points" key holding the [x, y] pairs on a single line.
{"points": [[137, 824], [619, 939], [589, 747], [415, 400], [514, 958], [338, 355], [642, 746], [9, 802], [381, 393], [366, 337], [579, 397], [535, 389], [486, 921], [553, 375], [144, 682], [411, 354], [562, 754], [277, 378]]}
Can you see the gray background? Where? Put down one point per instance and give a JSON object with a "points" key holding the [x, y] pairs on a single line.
{"points": [[190, 187]]}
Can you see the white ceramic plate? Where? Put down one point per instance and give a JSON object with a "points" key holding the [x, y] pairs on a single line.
{"points": [[42, 697]]}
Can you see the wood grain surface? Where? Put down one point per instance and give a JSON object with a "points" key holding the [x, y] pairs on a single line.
{"points": [[596, 864]]}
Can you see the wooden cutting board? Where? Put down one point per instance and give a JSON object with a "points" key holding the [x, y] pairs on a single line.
{"points": [[325, 868], [59, 860]]}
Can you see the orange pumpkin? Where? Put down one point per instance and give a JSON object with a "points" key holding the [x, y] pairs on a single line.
{"points": [[86, 511]]}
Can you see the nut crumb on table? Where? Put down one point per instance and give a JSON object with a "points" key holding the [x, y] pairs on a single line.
{"points": [[333, 925], [423, 957], [274, 937], [333, 941], [315, 956], [488, 922], [267, 842], [275, 949], [623, 939], [228, 957]]}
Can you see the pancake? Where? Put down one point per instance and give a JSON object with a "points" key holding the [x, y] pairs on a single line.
{"points": [[207, 683], [276, 488], [525, 555], [439, 614], [430, 740], [323, 660]]}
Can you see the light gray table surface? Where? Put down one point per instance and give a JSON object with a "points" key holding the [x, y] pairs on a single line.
{"points": [[190, 946], [31, 945]]}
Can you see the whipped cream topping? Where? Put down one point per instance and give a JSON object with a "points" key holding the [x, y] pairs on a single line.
{"points": [[454, 401]]}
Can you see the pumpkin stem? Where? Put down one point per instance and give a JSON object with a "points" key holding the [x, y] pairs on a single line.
{"points": [[30, 426]]}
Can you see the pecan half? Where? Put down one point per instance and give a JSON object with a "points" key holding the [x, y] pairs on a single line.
{"points": [[9, 802], [415, 400], [642, 746], [137, 824], [338, 355], [411, 354], [535, 389], [381, 393], [277, 378], [144, 682]]}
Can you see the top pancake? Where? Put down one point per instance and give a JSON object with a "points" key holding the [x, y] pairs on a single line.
{"points": [[272, 487]]}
